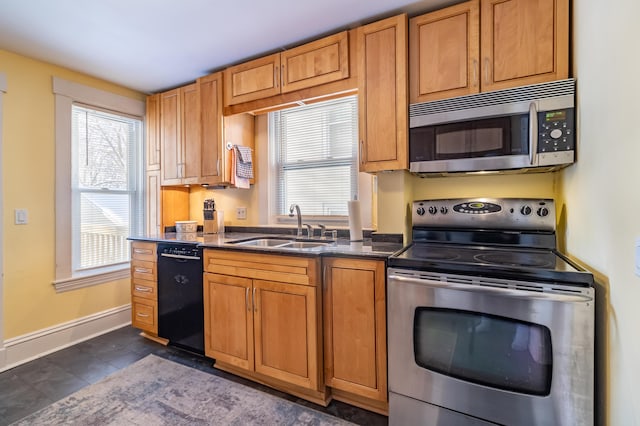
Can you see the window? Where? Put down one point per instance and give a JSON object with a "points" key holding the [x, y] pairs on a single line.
{"points": [[104, 190], [99, 193], [314, 159]]}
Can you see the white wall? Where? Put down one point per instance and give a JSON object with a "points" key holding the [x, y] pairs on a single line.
{"points": [[602, 190]]}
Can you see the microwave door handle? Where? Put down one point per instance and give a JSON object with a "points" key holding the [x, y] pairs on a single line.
{"points": [[533, 133]]}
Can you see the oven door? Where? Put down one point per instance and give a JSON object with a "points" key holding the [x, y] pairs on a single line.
{"points": [[497, 350]]}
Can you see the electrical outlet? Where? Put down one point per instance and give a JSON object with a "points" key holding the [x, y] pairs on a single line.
{"points": [[241, 213]]}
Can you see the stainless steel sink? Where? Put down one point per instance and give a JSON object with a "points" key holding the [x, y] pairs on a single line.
{"points": [[263, 242], [305, 244], [281, 243]]}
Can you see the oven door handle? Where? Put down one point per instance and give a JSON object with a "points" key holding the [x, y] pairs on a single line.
{"points": [[555, 296]]}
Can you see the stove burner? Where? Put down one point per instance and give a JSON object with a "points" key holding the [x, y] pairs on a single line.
{"points": [[435, 253], [515, 259]]}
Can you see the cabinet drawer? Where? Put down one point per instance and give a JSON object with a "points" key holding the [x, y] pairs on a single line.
{"points": [[143, 270], [144, 314], [287, 269], [145, 289], [143, 251]]}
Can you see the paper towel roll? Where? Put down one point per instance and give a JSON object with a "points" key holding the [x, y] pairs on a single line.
{"points": [[355, 221]]}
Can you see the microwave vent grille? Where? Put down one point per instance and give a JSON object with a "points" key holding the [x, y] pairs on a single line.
{"points": [[499, 97]]}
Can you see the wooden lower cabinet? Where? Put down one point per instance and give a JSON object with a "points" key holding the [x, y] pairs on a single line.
{"points": [[144, 287], [263, 319], [355, 340]]}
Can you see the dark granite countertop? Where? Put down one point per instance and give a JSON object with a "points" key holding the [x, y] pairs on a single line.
{"points": [[369, 247]]}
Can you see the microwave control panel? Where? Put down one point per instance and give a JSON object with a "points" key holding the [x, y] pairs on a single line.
{"points": [[556, 131]]}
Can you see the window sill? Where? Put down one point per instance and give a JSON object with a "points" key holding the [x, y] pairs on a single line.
{"points": [[105, 275]]}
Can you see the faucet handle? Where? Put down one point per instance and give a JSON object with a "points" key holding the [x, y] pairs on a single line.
{"points": [[323, 229], [309, 230]]}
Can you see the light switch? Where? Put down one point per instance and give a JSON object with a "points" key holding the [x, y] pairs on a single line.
{"points": [[21, 217]]}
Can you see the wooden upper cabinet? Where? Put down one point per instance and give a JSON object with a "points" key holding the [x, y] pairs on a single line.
{"points": [[170, 137], [315, 63], [312, 64], [211, 128], [252, 80], [445, 53], [485, 45], [382, 94], [153, 132], [180, 135], [190, 109], [523, 42]]}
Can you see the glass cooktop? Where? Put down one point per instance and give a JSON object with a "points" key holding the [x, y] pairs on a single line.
{"points": [[500, 262]]}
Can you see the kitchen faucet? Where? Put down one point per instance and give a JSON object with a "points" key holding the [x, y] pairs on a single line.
{"points": [[297, 209]]}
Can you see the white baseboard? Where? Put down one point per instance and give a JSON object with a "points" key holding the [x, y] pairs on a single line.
{"points": [[28, 347]]}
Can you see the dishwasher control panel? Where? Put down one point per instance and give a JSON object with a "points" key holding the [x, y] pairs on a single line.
{"points": [[181, 250]]}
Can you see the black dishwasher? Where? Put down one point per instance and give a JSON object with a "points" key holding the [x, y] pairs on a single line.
{"points": [[180, 305]]}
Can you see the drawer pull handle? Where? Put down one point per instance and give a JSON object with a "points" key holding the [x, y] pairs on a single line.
{"points": [[143, 315], [144, 289], [143, 270], [142, 251]]}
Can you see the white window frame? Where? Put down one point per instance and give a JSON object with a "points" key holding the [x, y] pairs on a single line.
{"points": [[365, 188], [66, 93], [3, 90]]}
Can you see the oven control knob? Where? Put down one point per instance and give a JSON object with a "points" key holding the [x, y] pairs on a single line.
{"points": [[433, 210], [420, 211], [444, 210], [525, 210], [543, 211]]}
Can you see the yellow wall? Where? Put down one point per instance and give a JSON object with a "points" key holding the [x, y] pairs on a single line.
{"points": [[601, 191], [28, 167]]}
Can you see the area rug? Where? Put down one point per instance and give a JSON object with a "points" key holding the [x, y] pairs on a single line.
{"points": [[155, 391]]}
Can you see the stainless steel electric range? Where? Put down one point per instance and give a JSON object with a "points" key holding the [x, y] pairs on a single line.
{"points": [[487, 322]]}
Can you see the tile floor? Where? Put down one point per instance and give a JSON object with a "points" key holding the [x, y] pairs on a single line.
{"points": [[34, 385]]}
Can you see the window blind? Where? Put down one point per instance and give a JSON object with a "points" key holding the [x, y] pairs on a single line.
{"points": [[316, 162], [105, 198]]}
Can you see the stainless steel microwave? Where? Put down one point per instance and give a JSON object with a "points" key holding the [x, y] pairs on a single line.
{"points": [[530, 128]]}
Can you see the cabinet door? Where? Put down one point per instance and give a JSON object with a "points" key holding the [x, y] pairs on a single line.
{"points": [[211, 137], [523, 42], [153, 198], [355, 327], [153, 132], [252, 80], [444, 53], [382, 94], [190, 142], [170, 137], [319, 62], [228, 320], [285, 332]]}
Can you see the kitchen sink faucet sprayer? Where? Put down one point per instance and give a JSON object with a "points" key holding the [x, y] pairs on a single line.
{"points": [[295, 207]]}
